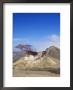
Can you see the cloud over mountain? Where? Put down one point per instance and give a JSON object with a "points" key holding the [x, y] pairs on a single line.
{"points": [[52, 40]]}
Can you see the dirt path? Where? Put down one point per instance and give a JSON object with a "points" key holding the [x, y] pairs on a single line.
{"points": [[22, 73]]}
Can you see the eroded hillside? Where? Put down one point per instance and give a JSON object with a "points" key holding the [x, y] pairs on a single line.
{"points": [[45, 63]]}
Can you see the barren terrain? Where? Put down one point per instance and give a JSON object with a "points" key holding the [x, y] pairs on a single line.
{"points": [[43, 66]]}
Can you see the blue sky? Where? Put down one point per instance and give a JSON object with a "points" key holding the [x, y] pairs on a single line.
{"points": [[38, 29]]}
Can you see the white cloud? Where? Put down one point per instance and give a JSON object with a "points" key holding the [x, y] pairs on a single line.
{"points": [[17, 41], [53, 40], [41, 44]]}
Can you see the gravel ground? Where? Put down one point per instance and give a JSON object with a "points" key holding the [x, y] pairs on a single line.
{"points": [[22, 73]]}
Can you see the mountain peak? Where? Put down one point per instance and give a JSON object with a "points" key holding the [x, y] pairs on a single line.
{"points": [[53, 52]]}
